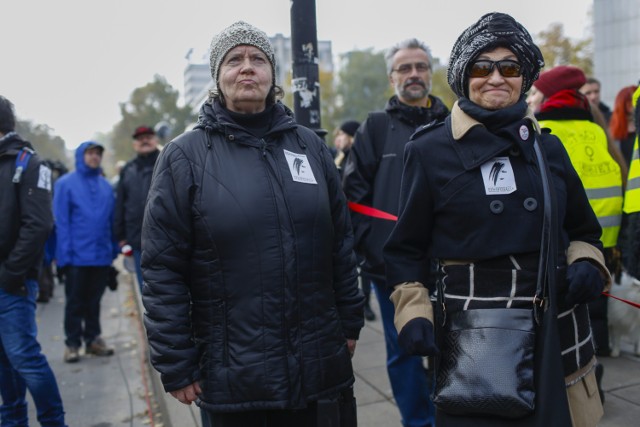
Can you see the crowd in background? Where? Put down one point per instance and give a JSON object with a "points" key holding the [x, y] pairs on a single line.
{"points": [[266, 242]]}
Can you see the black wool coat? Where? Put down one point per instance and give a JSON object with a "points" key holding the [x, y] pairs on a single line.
{"points": [[446, 213]]}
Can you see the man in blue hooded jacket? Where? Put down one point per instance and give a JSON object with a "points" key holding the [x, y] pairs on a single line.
{"points": [[83, 205]]}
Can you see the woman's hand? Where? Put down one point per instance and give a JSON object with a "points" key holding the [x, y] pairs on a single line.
{"points": [[585, 283], [417, 338], [187, 394], [352, 346]]}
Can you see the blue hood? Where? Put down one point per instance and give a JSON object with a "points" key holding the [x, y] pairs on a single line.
{"points": [[81, 166]]}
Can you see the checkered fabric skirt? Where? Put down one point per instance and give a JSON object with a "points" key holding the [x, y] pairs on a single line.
{"points": [[510, 282]]}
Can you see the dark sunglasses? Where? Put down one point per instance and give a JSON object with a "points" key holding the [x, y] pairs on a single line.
{"points": [[484, 67]]}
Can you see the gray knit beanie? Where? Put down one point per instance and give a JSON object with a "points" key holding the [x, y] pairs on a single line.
{"points": [[491, 31], [239, 33]]}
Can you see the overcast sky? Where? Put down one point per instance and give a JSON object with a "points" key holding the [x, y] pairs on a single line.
{"points": [[69, 63]]}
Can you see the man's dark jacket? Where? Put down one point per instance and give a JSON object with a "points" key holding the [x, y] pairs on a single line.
{"points": [[131, 195], [374, 170], [26, 216], [250, 277]]}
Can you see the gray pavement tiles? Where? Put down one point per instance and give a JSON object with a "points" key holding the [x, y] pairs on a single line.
{"points": [[122, 390]]}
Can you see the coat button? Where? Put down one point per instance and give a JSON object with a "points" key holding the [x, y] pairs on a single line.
{"points": [[514, 151], [496, 206], [530, 204], [231, 137]]}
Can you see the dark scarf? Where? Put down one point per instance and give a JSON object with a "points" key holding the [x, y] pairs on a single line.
{"points": [[418, 116], [494, 120], [147, 160], [257, 124]]}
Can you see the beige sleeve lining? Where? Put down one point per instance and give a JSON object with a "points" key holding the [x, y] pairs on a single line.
{"points": [[411, 300]]}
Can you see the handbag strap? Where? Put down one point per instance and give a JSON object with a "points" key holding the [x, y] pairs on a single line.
{"points": [[546, 268]]}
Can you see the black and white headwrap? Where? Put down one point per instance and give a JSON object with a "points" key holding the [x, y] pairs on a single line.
{"points": [[491, 31]]}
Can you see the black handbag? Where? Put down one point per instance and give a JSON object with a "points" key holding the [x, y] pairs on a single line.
{"points": [[486, 366]]}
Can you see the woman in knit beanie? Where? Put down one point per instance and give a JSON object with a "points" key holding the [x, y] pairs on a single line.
{"points": [[251, 287], [473, 198]]}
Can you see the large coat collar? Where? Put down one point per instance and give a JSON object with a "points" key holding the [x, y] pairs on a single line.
{"points": [[482, 146]]}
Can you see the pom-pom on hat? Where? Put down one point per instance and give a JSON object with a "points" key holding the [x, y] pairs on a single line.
{"points": [[559, 78], [350, 127], [239, 33], [491, 31]]}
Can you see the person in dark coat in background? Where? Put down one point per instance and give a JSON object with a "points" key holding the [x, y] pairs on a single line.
{"points": [[591, 89], [471, 197], [131, 193], [343, 142], [25, 202], [372, 179], [252, 307]]}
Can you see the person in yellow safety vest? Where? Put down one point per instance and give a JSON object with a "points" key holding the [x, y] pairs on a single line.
{"points": [[632, 194], [631, 233], [567, 114]]}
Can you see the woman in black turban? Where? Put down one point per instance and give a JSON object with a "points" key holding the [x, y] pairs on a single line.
{"points": [[480, 193]]}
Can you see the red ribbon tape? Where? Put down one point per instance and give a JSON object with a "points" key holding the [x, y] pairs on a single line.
{"points": [[369, 211], [631, 303]]}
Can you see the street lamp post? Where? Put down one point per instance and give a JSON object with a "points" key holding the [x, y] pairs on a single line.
{"points": [[304, 52]]}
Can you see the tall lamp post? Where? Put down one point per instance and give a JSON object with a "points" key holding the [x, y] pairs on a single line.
{"points": [[304, 52]]}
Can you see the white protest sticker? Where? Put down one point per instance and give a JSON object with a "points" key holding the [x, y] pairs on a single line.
{"points": [[44, 178], [498, 176], [300, 168]]}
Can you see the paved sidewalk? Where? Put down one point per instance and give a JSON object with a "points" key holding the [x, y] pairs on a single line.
{"points": [[112, 391]]}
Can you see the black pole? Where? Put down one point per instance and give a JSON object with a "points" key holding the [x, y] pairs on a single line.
{"points": [[304, 54]]}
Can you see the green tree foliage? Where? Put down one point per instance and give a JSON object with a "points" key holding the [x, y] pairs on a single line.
{"points": [[327, 104], [559, 49], [439, 85], [48, 146], [148, 105], [363, 86]]}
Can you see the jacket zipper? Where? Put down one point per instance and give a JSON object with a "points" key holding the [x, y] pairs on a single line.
{"points": [[269, 166]]}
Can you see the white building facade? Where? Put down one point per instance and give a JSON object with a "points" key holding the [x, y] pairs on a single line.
{"points": [[616, 45]]}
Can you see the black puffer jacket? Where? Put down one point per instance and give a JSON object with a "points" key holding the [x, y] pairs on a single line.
{"points": [[131, 195], [374, 169], [250, 278], [26, 215]]}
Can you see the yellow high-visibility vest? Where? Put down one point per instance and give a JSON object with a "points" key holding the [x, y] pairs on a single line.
{"points": [[632, 193], [586, 143]]}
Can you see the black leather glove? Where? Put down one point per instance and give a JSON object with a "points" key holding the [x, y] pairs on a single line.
{"points": [[585, 283], [61, 272], [417, 338], [112, 284]]}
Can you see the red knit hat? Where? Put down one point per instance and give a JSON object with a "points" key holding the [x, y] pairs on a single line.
{"points": [[559, 78]]}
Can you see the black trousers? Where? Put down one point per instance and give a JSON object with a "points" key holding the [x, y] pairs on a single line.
{"points": [[338, 412], [274, 418]]}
